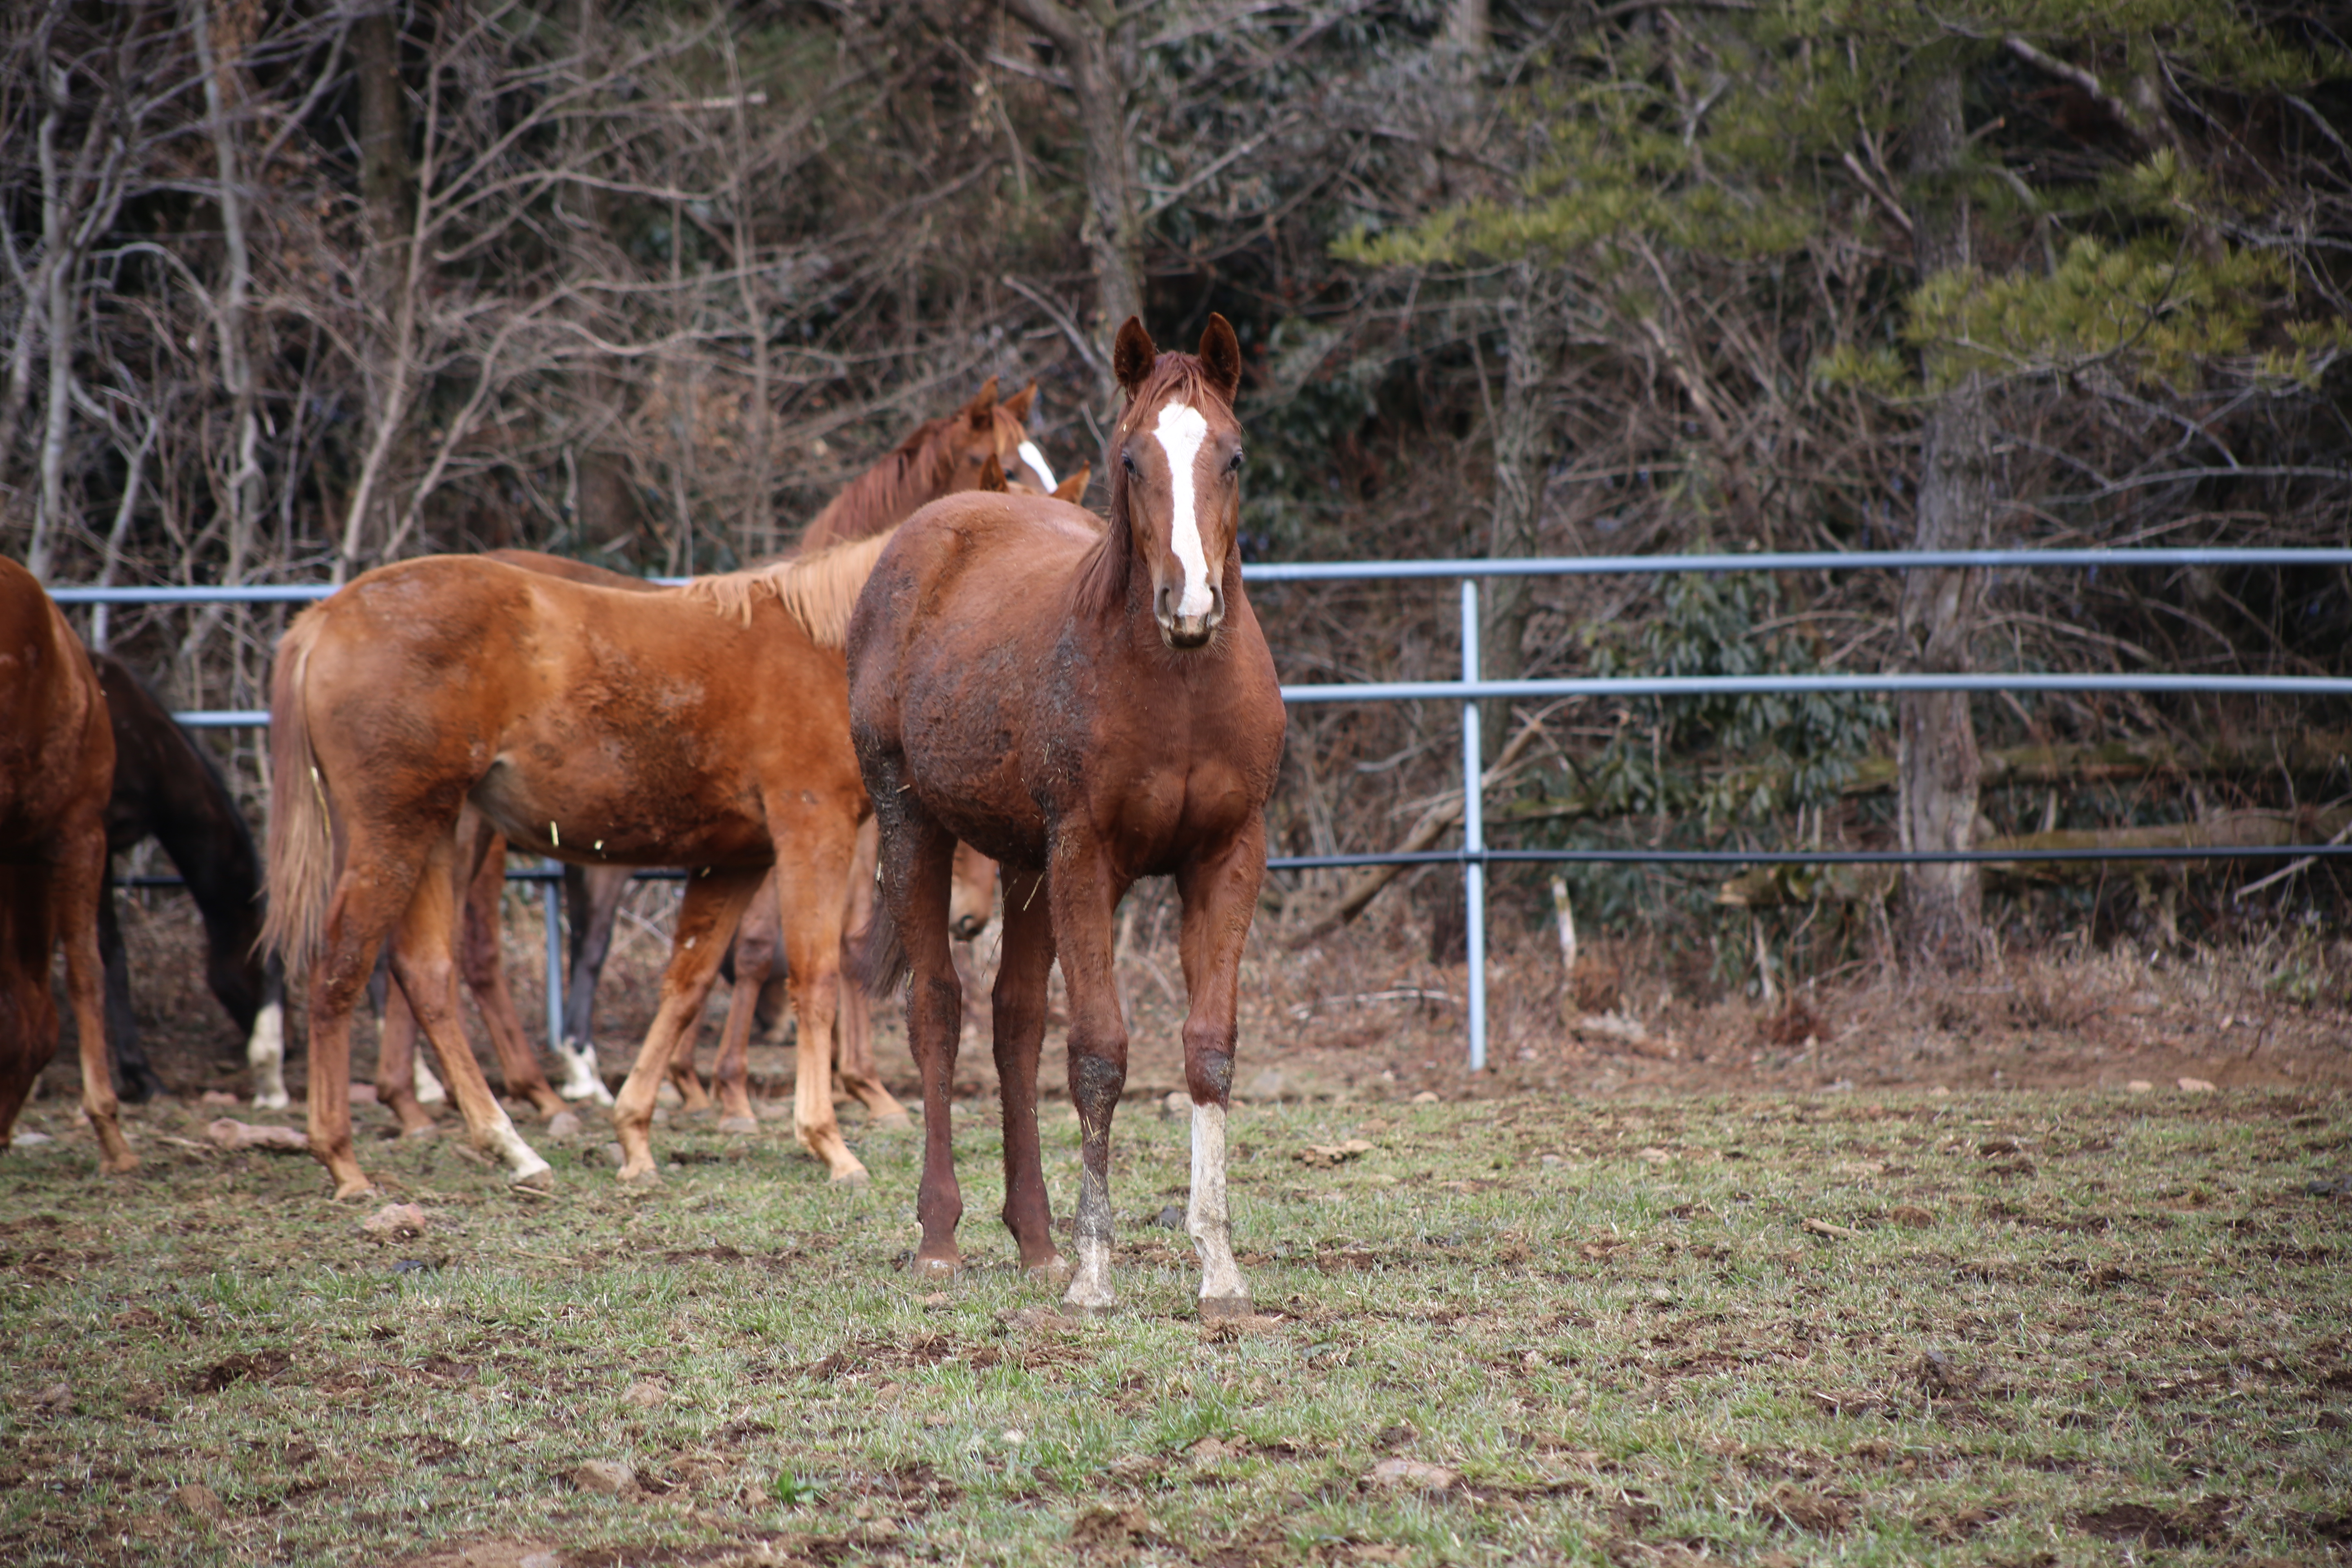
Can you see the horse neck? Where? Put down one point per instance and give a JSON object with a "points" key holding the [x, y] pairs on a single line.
{"points": [[884, 495], [202, 830]]}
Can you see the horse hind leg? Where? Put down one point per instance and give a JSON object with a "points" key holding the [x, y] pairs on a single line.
{"points": [[1019, 1032], [853, 1020], [265, 1048], [74, 889], [812, 862], [758, 940]]}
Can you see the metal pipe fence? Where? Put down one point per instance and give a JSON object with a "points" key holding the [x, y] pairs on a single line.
{"points": [[1470, 689]]}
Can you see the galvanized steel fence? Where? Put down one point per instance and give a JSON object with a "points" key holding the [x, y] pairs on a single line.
{"points": [[1473, 856]]}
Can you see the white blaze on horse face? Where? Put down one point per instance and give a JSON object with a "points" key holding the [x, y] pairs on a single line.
{"points": [[1180, 431], [1036, 461]]}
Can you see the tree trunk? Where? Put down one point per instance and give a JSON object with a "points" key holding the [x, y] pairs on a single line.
{"points": [[1114, 222], [1935, 744], [604, 509], [386, 198], [1530, 310]]}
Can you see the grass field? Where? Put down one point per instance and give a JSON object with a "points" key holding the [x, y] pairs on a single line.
{"points": [[2015, 1330]]}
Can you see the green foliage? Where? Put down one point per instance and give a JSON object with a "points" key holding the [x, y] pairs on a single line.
{"points": [[795, 1491], [1725, 758]]}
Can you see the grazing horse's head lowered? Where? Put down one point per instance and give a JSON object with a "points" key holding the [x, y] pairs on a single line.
{"points": [[1175, 477]]}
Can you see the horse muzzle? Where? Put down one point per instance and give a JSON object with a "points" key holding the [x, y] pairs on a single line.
{"points": [[1187, 631]]}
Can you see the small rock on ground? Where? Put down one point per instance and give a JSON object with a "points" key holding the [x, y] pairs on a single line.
{"points": [[235, 1135], [604, 1477], [1413, 1475], [400, 1220], [200, 1500], [564, 1125]]}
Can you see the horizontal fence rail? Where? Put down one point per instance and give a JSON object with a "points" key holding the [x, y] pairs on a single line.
{"points": [[1473, 856]]}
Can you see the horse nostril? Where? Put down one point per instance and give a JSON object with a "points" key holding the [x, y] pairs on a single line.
{"points": [[966, 928]]}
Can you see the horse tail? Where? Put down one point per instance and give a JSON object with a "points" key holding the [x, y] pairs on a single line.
{"points": [[301, 843], [875, 953]]}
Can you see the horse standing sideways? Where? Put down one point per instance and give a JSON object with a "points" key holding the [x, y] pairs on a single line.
{"points": [[57, 767], [1089, 703], [955, 452], [705, 727], [940, 456], [167, 789]]}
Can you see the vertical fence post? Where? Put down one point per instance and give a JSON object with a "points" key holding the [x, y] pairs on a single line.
{"points": [[552, 892], [1473, 834]]}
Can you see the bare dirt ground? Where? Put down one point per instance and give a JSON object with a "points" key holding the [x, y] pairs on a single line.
{"points": [[1365, 1015]]}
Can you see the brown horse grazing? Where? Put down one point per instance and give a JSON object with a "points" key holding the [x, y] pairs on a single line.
{"points": [[57, 769], [705, 727], [167, 789], [1089, 703]]}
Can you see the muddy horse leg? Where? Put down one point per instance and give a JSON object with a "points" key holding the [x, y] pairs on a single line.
{"points": [[1219, 895], [1084, 892], [1019, 1030], [427, 969], [706, 918], [486, 976], [916, 857]]}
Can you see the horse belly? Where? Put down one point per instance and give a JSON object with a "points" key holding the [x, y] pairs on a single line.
{"points": [[585, 813]]}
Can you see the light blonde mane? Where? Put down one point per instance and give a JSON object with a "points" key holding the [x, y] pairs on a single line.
{"points": [[817, 590]]}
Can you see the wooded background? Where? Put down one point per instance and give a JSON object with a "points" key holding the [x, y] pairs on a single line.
{"points": [[293, 290]]}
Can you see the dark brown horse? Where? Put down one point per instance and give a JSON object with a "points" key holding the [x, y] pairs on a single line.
{"points": [[705, 727], [167, 789], [57, 767], [1090, 704]]}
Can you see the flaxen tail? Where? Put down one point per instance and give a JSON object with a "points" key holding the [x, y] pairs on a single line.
{"points": [[301, 842]]}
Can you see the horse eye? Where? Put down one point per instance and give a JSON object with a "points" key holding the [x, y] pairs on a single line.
{"points": [[1233, 465], [1126, 461]]}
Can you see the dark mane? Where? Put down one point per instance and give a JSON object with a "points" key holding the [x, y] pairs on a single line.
{"points": [[887, 491], [1101, 583]]}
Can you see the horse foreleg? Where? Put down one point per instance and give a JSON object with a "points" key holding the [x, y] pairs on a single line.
{"points": [[396, 1063], [486, 977], [1220, 896], [592, 899], [370, 891], [1084, 893], [757, 942], [135, 1079], [1019, 1032], [74, 888], [427, 969], [811, 870], [706, 917], [265, 1050]]}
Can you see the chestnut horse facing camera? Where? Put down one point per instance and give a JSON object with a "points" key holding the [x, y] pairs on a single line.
{"points": [[1089, 703], [705, 726], [57, 769]]}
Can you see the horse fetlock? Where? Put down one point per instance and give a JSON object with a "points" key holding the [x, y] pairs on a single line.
{"points": [[1090, 1289], [1226, 1308], [538, 1179]]}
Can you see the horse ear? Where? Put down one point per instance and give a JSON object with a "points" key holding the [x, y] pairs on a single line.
{"points": [[1020, 403], [992, 474], [1132, 356], [1074, 488], [1220, 356], [981, 410]]}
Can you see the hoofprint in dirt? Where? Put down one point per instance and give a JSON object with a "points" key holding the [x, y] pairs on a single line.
{"points": [[1974, 1328]]}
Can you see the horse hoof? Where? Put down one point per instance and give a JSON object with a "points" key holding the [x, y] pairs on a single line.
{"points": [[935, 1267], [540, 1181], [855, 1176], [895, 1122], [738, 1124], [119, 1164], [356, 1187], [422, 1130], [1052, 1271], [645, 1177], [277, 1101], [1226, 1309]]}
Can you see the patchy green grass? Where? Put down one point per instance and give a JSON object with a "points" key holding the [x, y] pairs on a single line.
{"points": [[2019, 1329]]}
